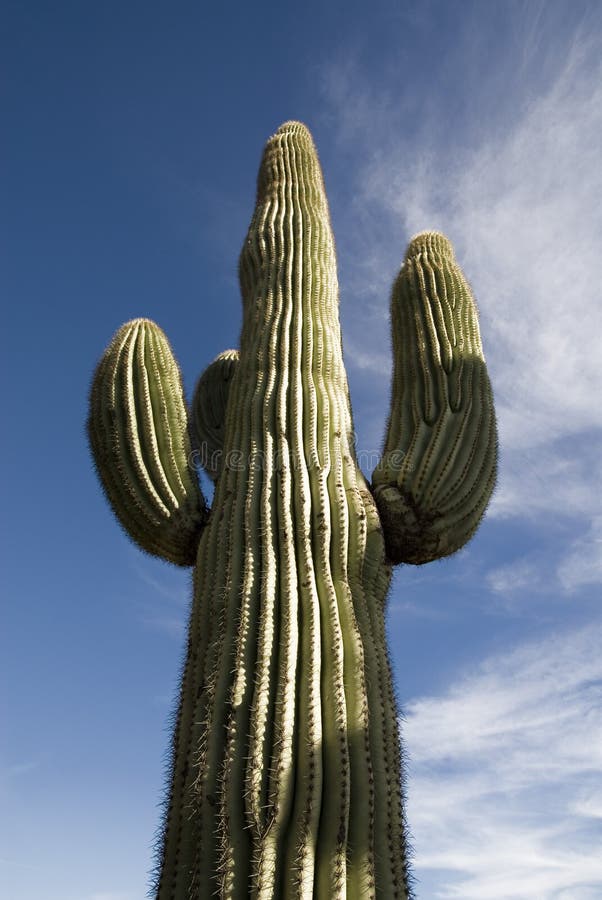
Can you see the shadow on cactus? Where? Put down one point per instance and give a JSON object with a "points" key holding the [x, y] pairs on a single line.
{"points": [[286, 775]]}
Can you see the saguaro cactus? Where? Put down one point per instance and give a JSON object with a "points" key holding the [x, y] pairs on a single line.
{"points": [[286, 777]]}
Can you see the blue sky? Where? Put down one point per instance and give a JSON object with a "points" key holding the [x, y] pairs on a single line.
{"points": [[133, 133]]}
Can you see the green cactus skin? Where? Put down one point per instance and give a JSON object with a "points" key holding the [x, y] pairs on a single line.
{"points": [[286, 769], [137, 434], [439, 465], [208, 411]]}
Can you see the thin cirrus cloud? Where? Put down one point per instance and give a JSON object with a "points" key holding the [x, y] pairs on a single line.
{"points": [[505, 772], [583, 564], [164, 602], [580, 565], [513, 576], [522, 204]]}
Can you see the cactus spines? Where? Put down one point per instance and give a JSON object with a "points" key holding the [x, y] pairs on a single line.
{"points": [[286, 771], [208, 411], [137, 434], [439, 465]]}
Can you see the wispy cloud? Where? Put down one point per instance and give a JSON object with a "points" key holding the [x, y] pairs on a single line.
{"points": [[520, 195], [515, 576], [583, 564], [504, 789], [17, 769], [9, 772], [164, 604], [580, 565]]}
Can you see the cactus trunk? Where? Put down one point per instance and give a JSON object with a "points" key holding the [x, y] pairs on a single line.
{"points": [[286, 778]]}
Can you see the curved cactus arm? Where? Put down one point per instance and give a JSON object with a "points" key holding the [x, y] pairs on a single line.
{"points": [[137, 428], [438, 469], [208, 411]]}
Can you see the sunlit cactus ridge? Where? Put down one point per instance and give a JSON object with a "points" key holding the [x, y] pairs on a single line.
{"points": [[286, 765]]}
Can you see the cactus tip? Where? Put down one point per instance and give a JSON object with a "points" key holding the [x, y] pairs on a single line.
{"points": [[430, 240], [293, 127]]}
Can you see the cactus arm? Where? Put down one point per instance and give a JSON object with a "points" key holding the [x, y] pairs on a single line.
{"points": [[138, 436], [438, 468], [208, 411]]}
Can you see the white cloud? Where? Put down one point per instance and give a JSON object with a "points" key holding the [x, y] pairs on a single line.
{"points": [[563, 478], [515, 576], [377, 363], [504, 796], [583, 565], [521, 198], [589, 804]]}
